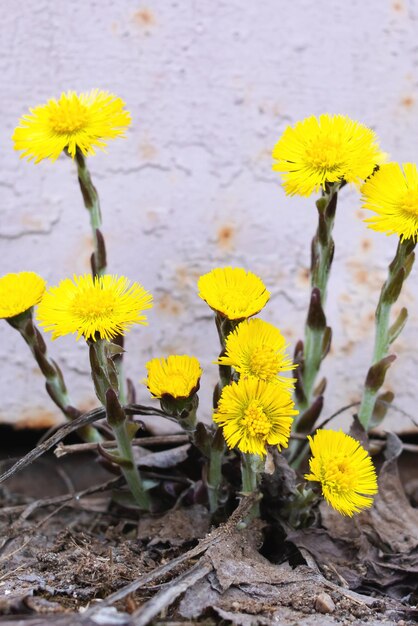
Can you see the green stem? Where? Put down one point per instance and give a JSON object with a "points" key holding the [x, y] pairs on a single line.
{"points": [[130, 471], [310, 354], [312, 363], [397, 272], [92, 204], [188, 423], [368, 400], [54, 379], [214, 478], [301, 452], [224, 326], [249, 472], [251, 468], [117, 420], [322, 256], [217, 451]]}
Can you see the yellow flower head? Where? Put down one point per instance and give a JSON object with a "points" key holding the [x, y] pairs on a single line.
{"points": [[254, 414], [176, 376], [233, 292], [100, 307], [76, 121], [257, 348], [328, 149], [344, 469], [392, 193], [19, 293]]}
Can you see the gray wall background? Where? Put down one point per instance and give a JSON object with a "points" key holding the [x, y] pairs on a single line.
{"points": [[211, 86]]}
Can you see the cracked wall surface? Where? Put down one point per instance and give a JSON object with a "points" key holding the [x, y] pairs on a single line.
{"points": [[211, 86]]}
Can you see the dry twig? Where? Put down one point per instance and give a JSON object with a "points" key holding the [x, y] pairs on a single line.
{"points": [[28, 509], [145, 442], [66, 429], [171, 592]]}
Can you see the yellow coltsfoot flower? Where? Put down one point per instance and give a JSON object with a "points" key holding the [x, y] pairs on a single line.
{"points": [[344, 469], [19, 293], [74, 122], [257, 348], [325, 149], [233, 292], [100, 307], [392, 194], [254, 414], [177, 376]]}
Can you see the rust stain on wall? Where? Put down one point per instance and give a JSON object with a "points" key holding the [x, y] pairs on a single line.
{"points": [[31, 222], [408, 102], [186, 279], [361, 276], [358, 328], [364, 276], [144, 18], [288, 333], [348, 347], [147, 151], [167, 304], [303, 276], [182, 276], [345, 298], [398, 6], [225, 236], [366, 244]]}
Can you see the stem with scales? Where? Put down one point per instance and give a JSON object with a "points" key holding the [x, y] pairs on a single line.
{"points": [[384, 334], [317, 334], [54, 379], [92, 204], [217, 449], [106, 384], [317, 342], [252, 466]]}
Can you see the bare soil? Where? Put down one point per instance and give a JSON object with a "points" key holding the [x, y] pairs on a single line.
{"points": [[70, 555]]}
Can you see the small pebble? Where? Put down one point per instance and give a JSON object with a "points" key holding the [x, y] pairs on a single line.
{"points": [[324, 603]]}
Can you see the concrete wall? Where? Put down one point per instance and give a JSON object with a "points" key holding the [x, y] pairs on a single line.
{"points": [[211, 86]]}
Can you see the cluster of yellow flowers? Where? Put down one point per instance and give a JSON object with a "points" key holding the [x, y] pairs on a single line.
{"points": [[329, 149], [315, 152], [255, 409], [255, 412]]}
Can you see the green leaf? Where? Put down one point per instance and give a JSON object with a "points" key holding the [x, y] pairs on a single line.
{"points": [[398, 326], [394, 287], [377, 372], [381, 407], [316, 316], [326, 341], [112, 349]]}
